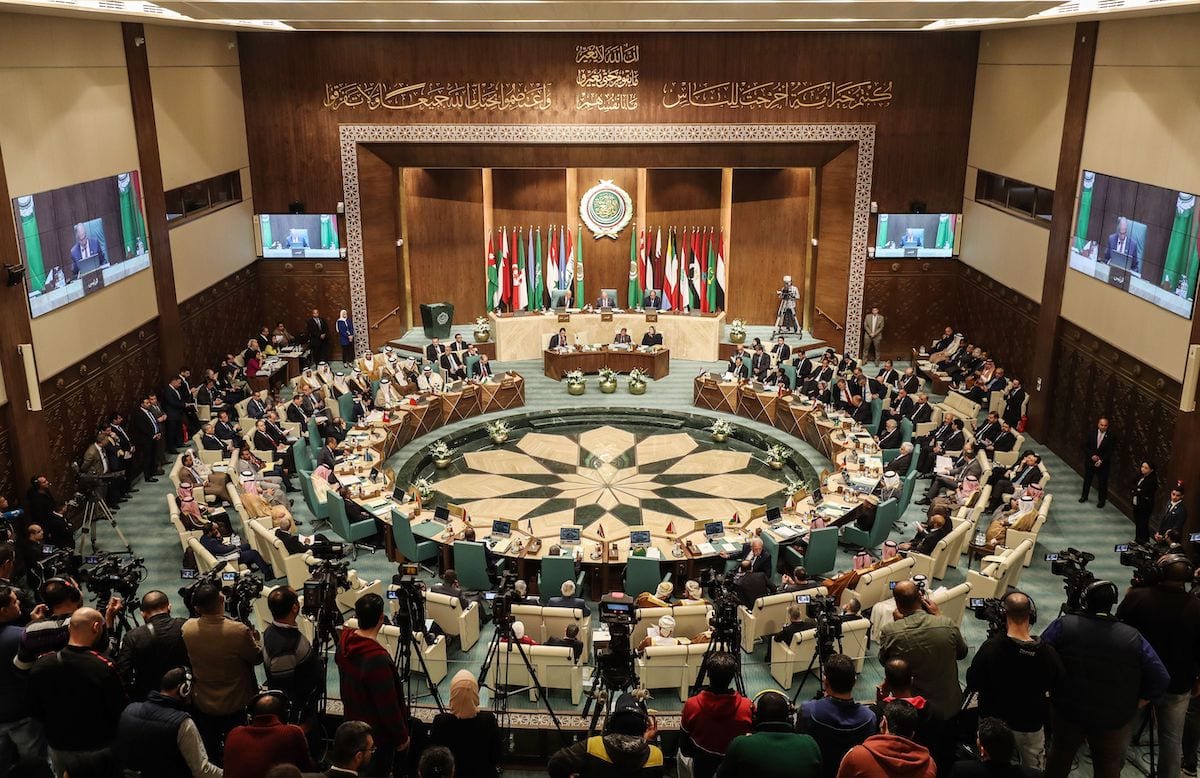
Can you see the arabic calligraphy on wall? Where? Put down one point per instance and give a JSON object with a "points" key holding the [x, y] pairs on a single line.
{"points": [[600, 54], [606, 101], [770, 95], [439, 95], [606, 78]]}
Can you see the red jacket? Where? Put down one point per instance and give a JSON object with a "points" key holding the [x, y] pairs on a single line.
{"points": [[371, 690], [253, 749], [887, 756], [713, 720]]}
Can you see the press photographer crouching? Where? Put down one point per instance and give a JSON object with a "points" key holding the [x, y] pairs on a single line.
{"points": [[1168, 616]]}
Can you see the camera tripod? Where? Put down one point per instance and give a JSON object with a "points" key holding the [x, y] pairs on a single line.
{"points": [[785, 317], [825, 649], [500, 691], [93, 507], [727, 639], [410, 619], [613, 674]]}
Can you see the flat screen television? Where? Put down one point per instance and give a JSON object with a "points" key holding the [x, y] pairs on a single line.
{"points": [[917, 235], [1138, 237], [297, 236], [78, 239]]}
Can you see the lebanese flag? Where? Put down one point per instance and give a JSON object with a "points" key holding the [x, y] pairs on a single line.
{"points": [[505, 269]]}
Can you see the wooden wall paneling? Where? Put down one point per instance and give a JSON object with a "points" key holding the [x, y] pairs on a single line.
{"points": [[1079, 89], [917, 158], [533, 197], [220, 320], [835, 201], [8, 468], [684, 198], [290, 289], [770, 230], [445, 215], [170, 332], [379, 190], [917, 299], [80, 398], [1003, 321], [606, 260]]}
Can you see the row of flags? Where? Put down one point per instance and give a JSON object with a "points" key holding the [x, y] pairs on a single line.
{"points": [[690, 270], [525, 267], [515, 276]]}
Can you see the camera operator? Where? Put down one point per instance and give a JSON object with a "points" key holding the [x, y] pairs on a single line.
{"points": [[8, 564], [291, 662], [712, 718], [153, 648], [20, 735], [157, 736], [836, 721], [1169, 619], [1014, 674], [224, 653], [1111, 672], [623, 750], [49, 628]]}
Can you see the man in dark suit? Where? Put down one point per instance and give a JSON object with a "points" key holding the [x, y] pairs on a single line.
{"points": [[901, 407], [175, 407], [452, 364], [652, 337], [256, 408], [902, 462], [781, 350], [622, 337], [209, 441], [891, 436], [85, 248], [297, 413], [653, 300], [481, 369], [1005, 441], [568, 599], [605, 302], [458, 344], [227, 432], [754, 553], [146, 434], [909, 381], [860, 411], [353, 748], [1016, 478], [328, 456], [888, 374], [760, 363], [1097, 453], [942, 343], [318, 337], [1122, 243], [1014, 398], [986, 432], [570, 639], [921, 411], [434, 351], [1174, 514], [559, 340]]}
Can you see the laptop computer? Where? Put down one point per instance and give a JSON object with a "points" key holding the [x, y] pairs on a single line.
{"points": [[639, 539], [714, 531], [569, 536], [501, 535], [441, 514]]}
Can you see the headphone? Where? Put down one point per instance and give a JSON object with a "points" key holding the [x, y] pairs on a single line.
{"points": [[791, 707], [1167, 561], [1032, 605], [277, 694], [1094, 589]]}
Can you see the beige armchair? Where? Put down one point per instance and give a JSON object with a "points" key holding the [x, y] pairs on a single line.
{"points": [[787, 659], [434, 655], [449, 614], [555, 667], [767, 615]]}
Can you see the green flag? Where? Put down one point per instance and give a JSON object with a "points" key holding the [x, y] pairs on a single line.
{"points": [[945, 233], [35, 268], [133, 227], [881, 231], [264, 226], [1193, 268], [579, 301], [1085, 210], [539, 285], [493, 277], [1182, 243], [711, 283], [635, 288], [329, 236]]}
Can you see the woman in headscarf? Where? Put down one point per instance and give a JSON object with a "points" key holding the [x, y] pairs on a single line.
{"points": [[345, 332], [471, 734]]}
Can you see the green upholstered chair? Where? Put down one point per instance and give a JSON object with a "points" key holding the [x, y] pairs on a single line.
{"points": [[771, 546], [912, 463], [302, 456], [790, 371], [555, 570], [906, 430], [317, 506], [876, 413], [470, 365], [347, 531], [315, 441], [470, 562], [346, 407], [643, 574], [885, 516], [822, 551], [906, 491], [406, 541]]}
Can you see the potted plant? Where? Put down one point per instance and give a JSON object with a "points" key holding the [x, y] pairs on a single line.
{"points": [[608, 380], [442, 454], [498, 431], [721, 430], [483, 329], [575, 383], [737, 331], [776, 456], [637, 381], [797, 489], [423, 488]]}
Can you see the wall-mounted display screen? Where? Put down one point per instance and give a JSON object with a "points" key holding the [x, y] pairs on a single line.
{"points": [[917, 235], [297, 236], [81, 238], [1138, 237]]}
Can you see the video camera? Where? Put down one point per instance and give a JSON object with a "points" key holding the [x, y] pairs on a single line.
{"points": [[327, 550], [406, 591], [1071, 566], [240, 590], [502, 603], [725, 600], [1143, 558], [113, 573], [618, 612], [56, 562], [825, 612], [990, 609]]}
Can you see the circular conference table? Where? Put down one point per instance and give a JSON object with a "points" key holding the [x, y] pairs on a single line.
{"points": [[655, 362]]}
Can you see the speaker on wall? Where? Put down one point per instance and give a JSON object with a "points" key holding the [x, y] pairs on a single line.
{"points": [[917, 206], [296, 207], [1187, 397]]}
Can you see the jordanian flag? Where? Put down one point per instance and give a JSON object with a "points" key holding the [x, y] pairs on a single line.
{"points": [[36, 271], [133, 227], [1085, 210], [1182, 244], [493, 277], [329, 237], [635, 289]]}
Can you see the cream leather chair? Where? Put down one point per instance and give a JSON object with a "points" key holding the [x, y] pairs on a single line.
{"points": [[933, 566], [791, 658], [204, 560], [177, 523], [671, 667], [434, 655], [767, 615], [293, 567], [1009, 458], [262, 615], [450, 616], [1016, 537], [555, 667], [999, 571], [962, 407], [875, 586], [555, 621], [952, 602]]}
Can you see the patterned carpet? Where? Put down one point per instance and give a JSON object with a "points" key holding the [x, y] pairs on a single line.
{"points": [[145, 522]]}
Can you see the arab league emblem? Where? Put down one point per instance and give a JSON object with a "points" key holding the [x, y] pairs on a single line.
{"points": [[605, 208]]}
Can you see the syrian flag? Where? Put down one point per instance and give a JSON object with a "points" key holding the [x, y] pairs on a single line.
{"points": [[720, 271], [493, 277], [505, 270]]}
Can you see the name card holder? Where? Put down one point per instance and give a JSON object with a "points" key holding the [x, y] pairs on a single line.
{"points": [[606, 315], [564, 318], [651, 317]]}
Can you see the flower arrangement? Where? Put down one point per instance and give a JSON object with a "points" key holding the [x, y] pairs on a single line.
{"points": [[637, 376], [777, 453], [607, 374], [498, 428], [738, 328], [574, 377], [721, 428], [424, 488], [440, 450], [483, 326]]}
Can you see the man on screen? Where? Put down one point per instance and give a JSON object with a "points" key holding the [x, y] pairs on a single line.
{"points": [[1122, 242], [297, 239], [85, 248]]}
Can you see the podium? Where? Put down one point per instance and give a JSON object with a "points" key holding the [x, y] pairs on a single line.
{"points": [[436, 319]]}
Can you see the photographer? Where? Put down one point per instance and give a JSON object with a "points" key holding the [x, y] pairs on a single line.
{"points": [[712, 718], [20, 735], [224, 653], [157, 737], [291, 662], [931, 643], [623, 750], [836, 721], [1169, 619], [1014, 673], [1111, 672], [153, 648], [49, 623]]}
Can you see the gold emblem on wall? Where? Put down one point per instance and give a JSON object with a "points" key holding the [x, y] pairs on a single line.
{"points": [[605, 208]]}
